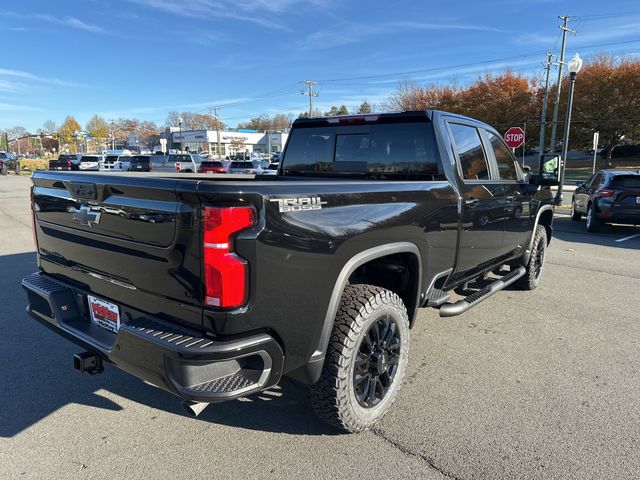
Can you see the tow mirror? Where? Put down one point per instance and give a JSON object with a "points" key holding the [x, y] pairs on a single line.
{"points": [[548, 173]]}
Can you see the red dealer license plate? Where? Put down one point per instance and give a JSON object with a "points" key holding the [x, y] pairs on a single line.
{"points": [[104, 314]]}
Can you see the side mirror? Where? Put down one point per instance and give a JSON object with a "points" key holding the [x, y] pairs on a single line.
{"points": [[526, 169], [549, 165]]}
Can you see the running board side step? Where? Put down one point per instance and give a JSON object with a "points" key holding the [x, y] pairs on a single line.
{"points": [[461, 306]]}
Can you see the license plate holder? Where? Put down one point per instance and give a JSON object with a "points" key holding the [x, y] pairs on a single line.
{"points": [[103, 313]]}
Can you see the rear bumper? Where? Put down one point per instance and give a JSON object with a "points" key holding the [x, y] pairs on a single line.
{"points": [[176, 359], [617, 214]]}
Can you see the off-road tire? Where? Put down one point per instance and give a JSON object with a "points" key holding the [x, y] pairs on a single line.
{"points": [[333, 397], [534, 268]]}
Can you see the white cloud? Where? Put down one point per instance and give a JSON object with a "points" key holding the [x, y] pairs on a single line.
{"points": [[67, 21], [26, 76], [346, 32], [11, 107], [260, 12]]}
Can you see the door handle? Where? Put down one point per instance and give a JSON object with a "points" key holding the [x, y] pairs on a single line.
{"points": [[471, 201]]}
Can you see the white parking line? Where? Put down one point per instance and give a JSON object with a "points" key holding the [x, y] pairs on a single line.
{"points": [[628, 238]]}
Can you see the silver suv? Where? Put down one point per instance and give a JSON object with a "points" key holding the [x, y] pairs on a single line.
{"points": [[176, 162]]}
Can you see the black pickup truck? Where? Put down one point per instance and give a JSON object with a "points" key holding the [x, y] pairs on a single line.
{"points": [[215, 287]]}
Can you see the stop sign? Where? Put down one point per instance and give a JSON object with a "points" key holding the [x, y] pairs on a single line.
{"points": [[514, 137]]}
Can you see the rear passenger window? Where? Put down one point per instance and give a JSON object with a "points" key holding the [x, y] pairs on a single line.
{"points": [[472, 158], [504, 159]]}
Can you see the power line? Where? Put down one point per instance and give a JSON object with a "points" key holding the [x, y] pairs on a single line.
{"points": [[461, 65]]}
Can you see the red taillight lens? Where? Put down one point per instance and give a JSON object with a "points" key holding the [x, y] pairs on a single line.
{"points": [[69, 164], [225, 273], [605, 192], [34, 207], [178, 166]]}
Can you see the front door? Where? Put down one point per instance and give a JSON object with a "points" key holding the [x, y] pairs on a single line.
{"points": [[519, 216], [483, 209]]}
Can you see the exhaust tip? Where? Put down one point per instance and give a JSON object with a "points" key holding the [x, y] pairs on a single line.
{"points": [[194, 408]]}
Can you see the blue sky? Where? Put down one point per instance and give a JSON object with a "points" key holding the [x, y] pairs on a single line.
{"points": [[143, 58]]}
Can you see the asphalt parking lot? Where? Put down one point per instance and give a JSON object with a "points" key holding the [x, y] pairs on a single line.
{"points": [[542, 384]]}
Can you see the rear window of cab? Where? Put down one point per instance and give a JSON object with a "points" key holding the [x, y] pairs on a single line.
{"points": [[393, 150]]}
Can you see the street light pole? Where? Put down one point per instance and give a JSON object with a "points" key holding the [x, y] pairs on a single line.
{"points": [[575, 64], [180, 124]]}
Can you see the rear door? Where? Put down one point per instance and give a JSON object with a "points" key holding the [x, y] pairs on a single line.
{"points": [[483, 212], [131, 240], [583, 198]]}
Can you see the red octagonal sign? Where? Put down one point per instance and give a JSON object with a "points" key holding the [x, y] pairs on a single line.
{"points": [[514, 137]]}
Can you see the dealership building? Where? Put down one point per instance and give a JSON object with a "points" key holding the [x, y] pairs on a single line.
{"points": [[231, 142]]}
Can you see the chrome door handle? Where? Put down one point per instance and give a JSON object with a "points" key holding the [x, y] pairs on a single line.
{"points": [[471, 201]]}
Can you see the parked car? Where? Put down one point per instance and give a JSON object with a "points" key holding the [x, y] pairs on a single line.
{"points": [[90, 162], [316, 275], [272, 169], [242, 167], [211, 166], [4, 161], [608, 196], [141, 163], [66, 161]]}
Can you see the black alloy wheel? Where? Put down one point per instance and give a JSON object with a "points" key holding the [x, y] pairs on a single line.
{"points": [[376, 362]]}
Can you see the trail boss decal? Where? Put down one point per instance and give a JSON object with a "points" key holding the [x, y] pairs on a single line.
{"points": [[298, 204]]}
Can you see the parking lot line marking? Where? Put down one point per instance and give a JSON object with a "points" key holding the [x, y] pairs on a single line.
{"points": [[628, 238]]}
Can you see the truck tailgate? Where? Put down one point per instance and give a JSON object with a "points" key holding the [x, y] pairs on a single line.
{"points": [[131, 240]]}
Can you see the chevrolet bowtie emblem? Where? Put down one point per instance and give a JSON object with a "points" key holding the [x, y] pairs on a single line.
{"points": [[85, 216]]}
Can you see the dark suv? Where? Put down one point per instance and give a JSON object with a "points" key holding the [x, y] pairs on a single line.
{"points": [[609, 196]]}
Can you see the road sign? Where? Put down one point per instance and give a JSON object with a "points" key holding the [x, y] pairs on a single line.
{"points": [[514, 137]]}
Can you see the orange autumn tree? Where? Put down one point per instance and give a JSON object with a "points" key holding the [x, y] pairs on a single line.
{"points": [[606, 99]]}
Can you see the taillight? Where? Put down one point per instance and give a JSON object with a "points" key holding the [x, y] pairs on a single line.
{"points": [[225, 273], [178, 166], [150, 166], [34, 208], [605, 192], [69, 164]]}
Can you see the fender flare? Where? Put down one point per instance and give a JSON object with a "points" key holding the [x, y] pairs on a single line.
{"points": [[527, 253], [310, 372]]}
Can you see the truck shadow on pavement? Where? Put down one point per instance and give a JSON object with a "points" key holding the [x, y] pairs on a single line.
{"points": [[39, 379]]}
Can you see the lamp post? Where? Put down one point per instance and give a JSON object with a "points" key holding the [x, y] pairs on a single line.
{"points": [[180, 124], [574, 65]]}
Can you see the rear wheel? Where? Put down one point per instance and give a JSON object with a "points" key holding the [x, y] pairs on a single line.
{"points": [[531, 278], [593, 222], [575, 216], [366, 359]]}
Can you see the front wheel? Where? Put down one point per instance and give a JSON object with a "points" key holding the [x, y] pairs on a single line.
{"points": [[531, 278], [365, 361]]}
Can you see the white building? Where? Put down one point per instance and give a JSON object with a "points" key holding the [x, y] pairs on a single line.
{"points": [[231, 142]]}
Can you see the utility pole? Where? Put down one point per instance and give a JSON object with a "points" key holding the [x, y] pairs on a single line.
{"points": [[543, 120], [311, 92], [554, 123], [215, 112]]}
